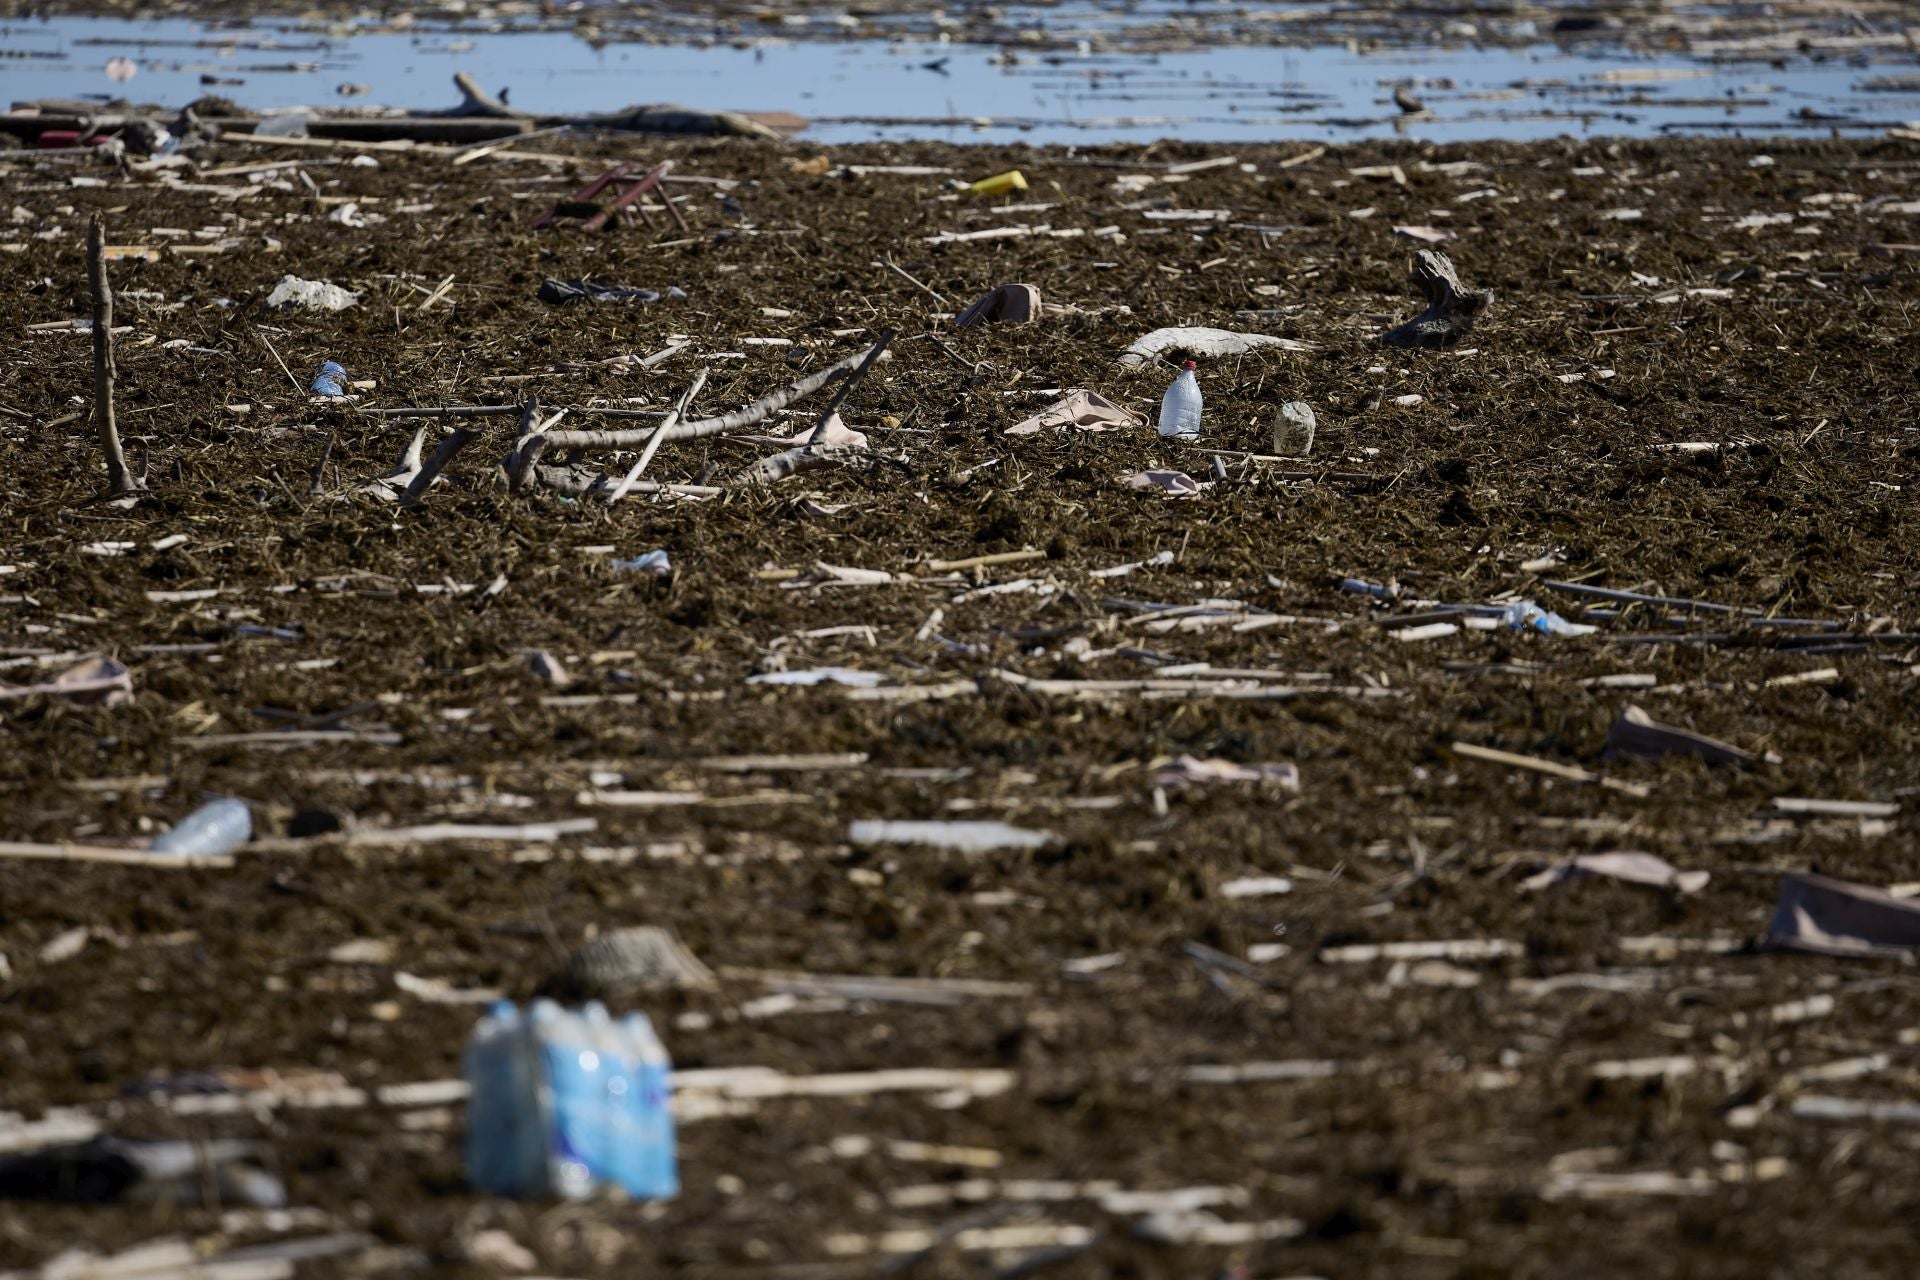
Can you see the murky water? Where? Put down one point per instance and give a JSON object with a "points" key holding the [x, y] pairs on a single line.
{"points": [[857, 89]]}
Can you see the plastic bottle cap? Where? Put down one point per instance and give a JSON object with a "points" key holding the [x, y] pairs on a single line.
{"points": [[1189, 365]]}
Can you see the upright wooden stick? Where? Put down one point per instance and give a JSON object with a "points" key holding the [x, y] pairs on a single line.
{"points": [[119, 479]]}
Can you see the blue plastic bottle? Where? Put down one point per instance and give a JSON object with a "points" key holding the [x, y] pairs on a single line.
{"points": [[567, 1104], [331, 382]]}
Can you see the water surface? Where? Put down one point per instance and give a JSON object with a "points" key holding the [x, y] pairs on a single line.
{"points": [[919, 86]]}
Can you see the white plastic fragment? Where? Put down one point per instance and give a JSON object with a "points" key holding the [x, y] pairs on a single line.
{"points": [[654, 562], [312, 295]]}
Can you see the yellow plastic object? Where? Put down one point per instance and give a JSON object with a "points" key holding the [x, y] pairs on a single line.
{"points": [[1000, 184]]}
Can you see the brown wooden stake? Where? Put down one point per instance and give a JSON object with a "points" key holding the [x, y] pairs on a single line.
{"points": [[320, 471], [673, 210], [119, 479], [587, 192]]}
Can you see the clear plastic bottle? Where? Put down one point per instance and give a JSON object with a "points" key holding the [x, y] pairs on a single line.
{"points": [[215, 828], [502, 1123], [655, 1171], [1180, 407]]}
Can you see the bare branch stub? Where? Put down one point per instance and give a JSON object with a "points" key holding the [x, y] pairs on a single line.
{"points": [[527, 445], [460, 438], [790, 462], [1451, 308], [409, 461], [120, 480], [793, 462], [320, 469], [477, 102]]}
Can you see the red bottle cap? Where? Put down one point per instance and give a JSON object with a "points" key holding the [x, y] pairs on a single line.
{"points": [[1189, 365]]}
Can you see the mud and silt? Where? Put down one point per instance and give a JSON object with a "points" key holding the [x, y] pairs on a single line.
{"points": [[1645, 296]]}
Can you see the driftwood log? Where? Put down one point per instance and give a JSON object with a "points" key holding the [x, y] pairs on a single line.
{"points": [[522, 461], [480, 117], [814, 454], [1205, 343], [476, 102], [1451, 307], [792, 462], [758, 411]]}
